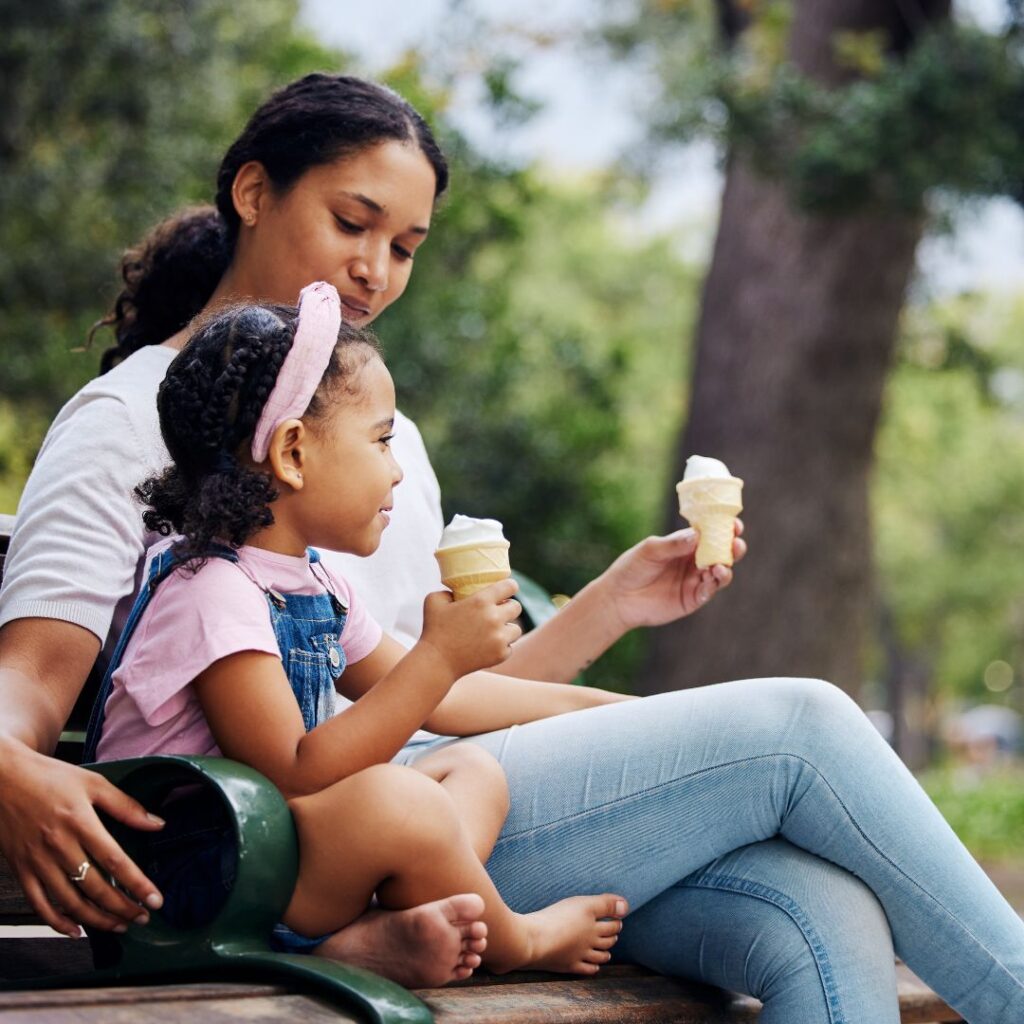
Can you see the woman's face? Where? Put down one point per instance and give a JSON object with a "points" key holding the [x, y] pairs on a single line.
{"points": [[355, 223]]}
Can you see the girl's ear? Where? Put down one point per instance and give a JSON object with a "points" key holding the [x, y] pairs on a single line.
{"points": [[287, 452], [248, 190]]}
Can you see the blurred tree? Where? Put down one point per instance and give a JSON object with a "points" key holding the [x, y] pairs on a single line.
{"points": [[115, 112], [949, 506], [535, 348], [530, 343], [837, 116]]}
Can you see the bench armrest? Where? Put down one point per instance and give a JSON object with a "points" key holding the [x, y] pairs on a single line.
{"points": [[235, 943]]}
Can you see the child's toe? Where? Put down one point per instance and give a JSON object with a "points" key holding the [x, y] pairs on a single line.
{"points": [[612, 905]]}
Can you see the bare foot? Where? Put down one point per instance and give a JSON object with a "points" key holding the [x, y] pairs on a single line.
{"points": [[572, 936], [424, 947]]}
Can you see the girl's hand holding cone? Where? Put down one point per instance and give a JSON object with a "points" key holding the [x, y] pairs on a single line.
{"points": [[476, 632]]}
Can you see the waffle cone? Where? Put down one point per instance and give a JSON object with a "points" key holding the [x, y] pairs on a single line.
{"points": [[471, 567], [710, 504]]}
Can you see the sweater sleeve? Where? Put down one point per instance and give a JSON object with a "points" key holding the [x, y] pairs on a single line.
{"points": [[79, 536]]}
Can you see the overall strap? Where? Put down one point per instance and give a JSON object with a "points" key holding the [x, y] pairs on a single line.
{"points": [[160, 568]]}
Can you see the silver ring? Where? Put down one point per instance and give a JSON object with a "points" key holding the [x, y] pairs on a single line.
{"points": [[83, 870]]}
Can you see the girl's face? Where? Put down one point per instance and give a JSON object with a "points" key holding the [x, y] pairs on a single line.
{"points": [[350, 473], [355, 223]]}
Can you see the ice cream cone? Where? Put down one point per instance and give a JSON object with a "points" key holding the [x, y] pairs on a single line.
{"points": [[711, 504], [471, 567]]}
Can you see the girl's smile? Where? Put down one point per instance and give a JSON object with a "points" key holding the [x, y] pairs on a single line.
{"points": [[349, 471]]}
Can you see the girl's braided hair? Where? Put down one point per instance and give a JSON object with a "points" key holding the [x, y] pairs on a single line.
{"points": [[171, 274], [210, 402]]}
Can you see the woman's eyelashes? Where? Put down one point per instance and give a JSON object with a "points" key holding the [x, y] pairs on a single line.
{"points": [[386, 440], [350, 227]]}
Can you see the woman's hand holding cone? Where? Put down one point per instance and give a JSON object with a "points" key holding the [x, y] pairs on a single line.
{"points": [[657, 580]]}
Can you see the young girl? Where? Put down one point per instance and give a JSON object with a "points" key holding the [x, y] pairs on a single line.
{"points": [[245, 637]]}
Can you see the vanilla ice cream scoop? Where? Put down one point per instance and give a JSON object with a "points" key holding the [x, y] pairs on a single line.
{"points": [[467, 530], [472, 554], [710, 498], [700, 466]]}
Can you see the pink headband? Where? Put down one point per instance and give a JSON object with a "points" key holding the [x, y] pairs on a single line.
{"points": [[315, 337]]}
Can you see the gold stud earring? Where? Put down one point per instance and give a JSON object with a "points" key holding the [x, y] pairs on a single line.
{"points": [[250, 219]]}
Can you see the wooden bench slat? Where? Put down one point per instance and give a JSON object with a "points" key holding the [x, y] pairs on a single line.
{"points": [[169, 1004], [650, 999], [14, 907], [42, 957]]}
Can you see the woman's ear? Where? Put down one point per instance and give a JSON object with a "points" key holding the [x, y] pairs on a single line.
{"points": [[248, 191], [287, 452]]}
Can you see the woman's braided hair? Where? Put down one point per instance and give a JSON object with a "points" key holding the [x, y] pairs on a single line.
{"points": [[171, 274], [209, 404]]}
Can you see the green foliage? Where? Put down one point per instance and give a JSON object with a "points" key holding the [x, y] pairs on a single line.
{"points": [[115, 113], [539, 343], [950, 113], [986, 812], [949, 489], [538, 348], [20, 430]]}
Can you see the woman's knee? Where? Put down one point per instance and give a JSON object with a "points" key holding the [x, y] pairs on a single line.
{"points": [[821, 707]]}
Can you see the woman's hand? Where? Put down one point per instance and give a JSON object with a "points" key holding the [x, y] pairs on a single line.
{"points": [[657, 580], [49, 827]]}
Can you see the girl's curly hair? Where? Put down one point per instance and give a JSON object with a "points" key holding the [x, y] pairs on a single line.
{"points": [[209, 404]]}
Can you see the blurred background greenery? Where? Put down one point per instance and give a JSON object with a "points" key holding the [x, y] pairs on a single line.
{"points": [[561, 361]]}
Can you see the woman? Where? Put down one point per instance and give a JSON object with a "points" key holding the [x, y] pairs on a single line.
{"points": [[737, 817]]}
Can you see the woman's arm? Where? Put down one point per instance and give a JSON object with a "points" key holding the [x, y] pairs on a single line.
{"points": [[48, 820], [654, 582], [73, 556], [255, 719]]}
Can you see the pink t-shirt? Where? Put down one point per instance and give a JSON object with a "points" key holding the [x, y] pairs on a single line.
{"points": [[193, 621]]}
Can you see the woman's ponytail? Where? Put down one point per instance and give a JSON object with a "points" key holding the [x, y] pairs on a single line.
{"points": [[168, 278]]}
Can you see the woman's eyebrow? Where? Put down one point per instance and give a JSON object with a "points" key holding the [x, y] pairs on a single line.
{"points": [[372, 204], [366, 201], [384, 424]]}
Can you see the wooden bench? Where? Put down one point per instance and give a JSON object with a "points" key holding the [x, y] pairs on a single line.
{"points": [[620, 995]]}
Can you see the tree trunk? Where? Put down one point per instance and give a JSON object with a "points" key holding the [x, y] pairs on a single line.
{"points": [[907, 679], [795, 337]]}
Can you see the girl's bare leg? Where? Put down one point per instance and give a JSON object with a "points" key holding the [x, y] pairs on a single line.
{"points": [[392, 830], [340, 866], [476, 783]]}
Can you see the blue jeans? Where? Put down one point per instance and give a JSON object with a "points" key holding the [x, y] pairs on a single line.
{"points": [[769, 841]]}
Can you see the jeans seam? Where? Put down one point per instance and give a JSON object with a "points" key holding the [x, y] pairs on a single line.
{"points": [[821, 775], [796, 914]]}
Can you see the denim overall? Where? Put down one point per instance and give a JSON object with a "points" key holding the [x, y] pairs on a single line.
{"points": [[193, 857]]}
